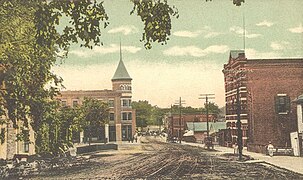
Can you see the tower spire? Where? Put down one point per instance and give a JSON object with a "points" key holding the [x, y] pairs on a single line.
{"points": [[120, 51], [121, 72]]}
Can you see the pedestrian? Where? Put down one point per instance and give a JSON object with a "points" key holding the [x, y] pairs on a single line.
{"points": [[136, 136], [236, 150], [270, 149]]}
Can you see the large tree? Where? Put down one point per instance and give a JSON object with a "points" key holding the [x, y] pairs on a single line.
{"points": [[94, 114]]}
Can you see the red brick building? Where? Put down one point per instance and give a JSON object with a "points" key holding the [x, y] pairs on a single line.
{"points": [[173, 122], [266, 88]]}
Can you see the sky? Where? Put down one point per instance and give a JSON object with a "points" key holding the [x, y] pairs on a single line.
{"points": [[191, 62]]}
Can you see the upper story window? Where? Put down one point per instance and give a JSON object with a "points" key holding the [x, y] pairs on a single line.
{"points": [[282, 103], [126, 87], [111, 103], [75, 103], [111, 116], [126, 102], [126, 116], [64, 103]]}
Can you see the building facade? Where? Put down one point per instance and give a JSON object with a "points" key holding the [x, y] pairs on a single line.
{"points": [[199, 130], [175, 126], [122, 118], [266, 88]]}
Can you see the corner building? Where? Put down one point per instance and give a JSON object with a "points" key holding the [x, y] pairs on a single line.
{"points": [[267, 88], [122, 118]]}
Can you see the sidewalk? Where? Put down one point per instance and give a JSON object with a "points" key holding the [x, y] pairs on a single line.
{"points": [[287, 162]]}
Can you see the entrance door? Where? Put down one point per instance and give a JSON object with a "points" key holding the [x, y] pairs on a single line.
{"points": [[112, 133]]}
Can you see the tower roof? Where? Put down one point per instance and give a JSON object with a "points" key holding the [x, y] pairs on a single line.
{"points": [[121, 72]]}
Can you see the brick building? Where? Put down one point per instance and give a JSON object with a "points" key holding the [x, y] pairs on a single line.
{"points": [[173, 122], [266, 87], [122, 118]]}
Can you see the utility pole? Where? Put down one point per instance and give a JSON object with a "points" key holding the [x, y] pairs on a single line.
{"points": [[180, 122], [207, 97], [172, 122], [239, 129]]}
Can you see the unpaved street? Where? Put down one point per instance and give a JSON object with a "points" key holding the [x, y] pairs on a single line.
{"points": [[153, 159]]}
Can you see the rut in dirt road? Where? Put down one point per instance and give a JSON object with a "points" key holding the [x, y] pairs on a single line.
{"points": [[159, 160], [175, 161]]}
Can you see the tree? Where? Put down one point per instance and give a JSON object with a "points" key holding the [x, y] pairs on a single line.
{"points": [[143, 112], [94, 113], [29, 47]]}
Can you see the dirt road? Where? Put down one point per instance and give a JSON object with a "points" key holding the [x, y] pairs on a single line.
{"points": [[157, 160]]}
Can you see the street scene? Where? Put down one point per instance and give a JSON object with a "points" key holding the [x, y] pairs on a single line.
{"points": [[151, 89], [153, 158]]}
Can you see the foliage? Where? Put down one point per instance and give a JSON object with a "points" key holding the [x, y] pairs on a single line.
{"points": [[2, 135], [84, 19], [29, 47], [94, 113], [212, 109], [143, 112], [235, 2], [156, 16]]}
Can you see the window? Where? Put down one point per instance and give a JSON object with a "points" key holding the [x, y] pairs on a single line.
{"points": [[282, 103], [126, 102], [64, 103], [125, 87], [75, 103], [26, 147], [126, 116], [111, 103], [111, 116], [26, 140]]}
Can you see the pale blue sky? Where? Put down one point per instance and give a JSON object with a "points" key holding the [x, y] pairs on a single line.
{"points": [[191, 62]]}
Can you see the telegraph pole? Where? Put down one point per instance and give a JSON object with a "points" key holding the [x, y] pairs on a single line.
{"points": [[180, 124], [207, 97], [172, 122], [239, 129]]}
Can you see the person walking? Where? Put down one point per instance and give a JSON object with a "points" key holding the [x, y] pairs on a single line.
{"points": [[270, 149]]}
